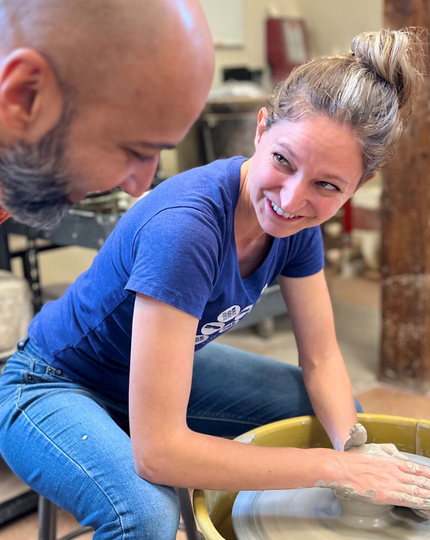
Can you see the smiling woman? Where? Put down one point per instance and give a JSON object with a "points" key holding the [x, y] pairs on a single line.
{"points": [[300, 175], [129, 349]]}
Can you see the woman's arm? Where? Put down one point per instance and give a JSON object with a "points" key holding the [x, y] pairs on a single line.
{"points": [[324, 371], [167, 452]]}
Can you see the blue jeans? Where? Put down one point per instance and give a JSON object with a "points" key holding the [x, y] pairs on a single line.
{"points": [[72, 445]]}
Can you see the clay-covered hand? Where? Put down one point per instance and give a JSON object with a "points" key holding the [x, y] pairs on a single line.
{"points": [[380, 474], [357, 437]]}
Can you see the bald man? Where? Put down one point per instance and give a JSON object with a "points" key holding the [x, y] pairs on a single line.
{"points": [[90, 93]]}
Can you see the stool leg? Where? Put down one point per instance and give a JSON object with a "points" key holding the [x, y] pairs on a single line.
{"points": [[188, 514], [47, 519]]}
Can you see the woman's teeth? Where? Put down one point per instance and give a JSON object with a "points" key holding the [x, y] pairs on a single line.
{"points": [[280, 212]]}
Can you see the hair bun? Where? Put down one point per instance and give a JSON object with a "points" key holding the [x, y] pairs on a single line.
{"points": [[397, 56]]}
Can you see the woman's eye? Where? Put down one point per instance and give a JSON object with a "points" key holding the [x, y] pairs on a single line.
{"points": [[280, 159], [328, 186]]}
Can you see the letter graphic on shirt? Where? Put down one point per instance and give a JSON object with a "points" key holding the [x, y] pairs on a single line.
{"points": [[228, 326], [211, 328], [244, 312], [200, 339], [229, 313]]}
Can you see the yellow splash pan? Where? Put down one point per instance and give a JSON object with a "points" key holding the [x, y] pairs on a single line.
{"points": [[213, 508]]}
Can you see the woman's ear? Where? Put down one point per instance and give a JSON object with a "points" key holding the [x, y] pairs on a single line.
{"points": [[31, 100], [261, 126]]}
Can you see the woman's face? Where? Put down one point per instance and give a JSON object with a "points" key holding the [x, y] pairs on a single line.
{"points": [[302, 173]]}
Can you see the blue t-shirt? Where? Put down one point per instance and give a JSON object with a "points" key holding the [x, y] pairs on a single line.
{"points": [[176, 245]]}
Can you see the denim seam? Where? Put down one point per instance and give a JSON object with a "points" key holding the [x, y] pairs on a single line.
{"points": [[75, 462], [19, 396]]}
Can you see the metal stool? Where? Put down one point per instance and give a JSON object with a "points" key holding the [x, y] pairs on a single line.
{"points": [[48, 519], [48, 522]]}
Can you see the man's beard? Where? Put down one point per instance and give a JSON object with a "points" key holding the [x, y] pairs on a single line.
{"points": [[33, 180]]}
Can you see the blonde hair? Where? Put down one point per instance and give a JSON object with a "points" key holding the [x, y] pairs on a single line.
{"points": [[371, 89]]}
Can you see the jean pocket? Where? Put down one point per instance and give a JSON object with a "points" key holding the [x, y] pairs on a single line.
{"points": [[40, 371], [37, 369]]}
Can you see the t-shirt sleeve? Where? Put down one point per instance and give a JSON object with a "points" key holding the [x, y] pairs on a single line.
{"points": [[307, 256], [175, 259]]}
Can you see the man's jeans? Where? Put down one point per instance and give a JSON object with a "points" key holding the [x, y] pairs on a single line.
{"points": [[71, 444]]}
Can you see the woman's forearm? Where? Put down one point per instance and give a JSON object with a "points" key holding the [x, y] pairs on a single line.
{"points": [[189, 459], [330, 392], [202, 461]]}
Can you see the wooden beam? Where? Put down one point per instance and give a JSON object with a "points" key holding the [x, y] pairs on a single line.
{"points": [[405, 348]]}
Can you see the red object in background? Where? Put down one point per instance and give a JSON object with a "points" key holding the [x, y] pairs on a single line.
{"points": [[287, 46], [276, 52], [347, 223]]}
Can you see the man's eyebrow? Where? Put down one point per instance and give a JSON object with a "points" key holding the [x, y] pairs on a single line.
{"points": [[158, 146]]}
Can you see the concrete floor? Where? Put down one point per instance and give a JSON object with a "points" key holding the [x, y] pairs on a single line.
{"points": [[356, 304]]}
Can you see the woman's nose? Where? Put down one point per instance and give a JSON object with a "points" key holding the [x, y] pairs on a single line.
{"points": [[293, 195], [139, 178]]}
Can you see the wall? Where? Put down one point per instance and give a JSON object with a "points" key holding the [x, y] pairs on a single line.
{"points": [[333, 23], [253, 54]]}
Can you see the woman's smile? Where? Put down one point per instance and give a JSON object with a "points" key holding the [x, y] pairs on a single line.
{"points": [[280, 214]]}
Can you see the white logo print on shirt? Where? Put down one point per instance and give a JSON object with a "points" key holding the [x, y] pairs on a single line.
{"points": [[244, 312], [219, 327], [212, 328], [201, 339], [229, 313]]}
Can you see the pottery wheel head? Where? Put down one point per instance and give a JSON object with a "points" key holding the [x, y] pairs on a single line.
{"points": [[359, 515], [316, 514]]}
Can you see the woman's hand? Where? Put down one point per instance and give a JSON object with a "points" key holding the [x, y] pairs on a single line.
{"points": [[380, 474]]}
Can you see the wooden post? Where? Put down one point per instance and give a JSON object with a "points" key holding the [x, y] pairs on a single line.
{"points": [[405, 354]]}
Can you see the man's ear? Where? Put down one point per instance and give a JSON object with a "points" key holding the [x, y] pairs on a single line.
{"points": [[261, 126], [31, 100]]}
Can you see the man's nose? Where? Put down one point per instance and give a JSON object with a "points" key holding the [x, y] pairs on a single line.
{"points": [[139, 178]]}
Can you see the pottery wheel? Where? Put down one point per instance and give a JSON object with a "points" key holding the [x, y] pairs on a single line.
{"points": [[316, 513]]}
